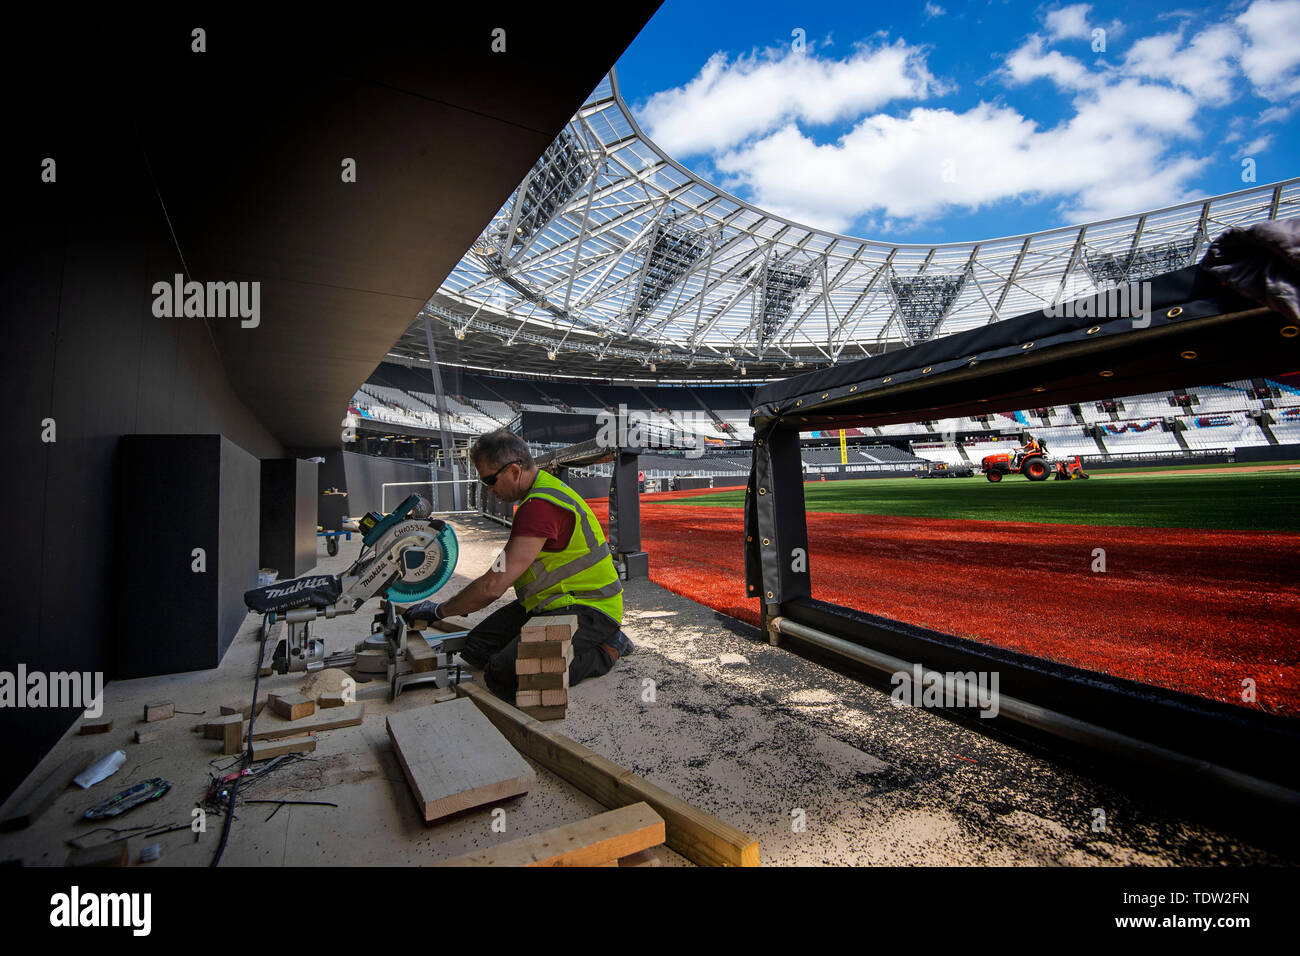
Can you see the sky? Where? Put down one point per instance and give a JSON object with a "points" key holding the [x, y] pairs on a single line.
{"points": [[940, 121]]}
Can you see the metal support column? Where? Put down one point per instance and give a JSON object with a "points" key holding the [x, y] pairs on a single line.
{"points": [[776, 526]]}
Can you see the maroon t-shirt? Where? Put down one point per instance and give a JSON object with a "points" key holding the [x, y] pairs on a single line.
{"points": [[539, 518]]}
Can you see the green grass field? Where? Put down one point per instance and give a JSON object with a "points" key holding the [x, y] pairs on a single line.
{"points": [[1268, 501]]}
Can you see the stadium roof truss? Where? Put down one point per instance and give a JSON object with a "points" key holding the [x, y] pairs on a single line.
{"points": [[610, 249]]}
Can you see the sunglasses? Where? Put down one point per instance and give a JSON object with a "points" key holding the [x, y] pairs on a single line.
{"points": [[491, 479]]}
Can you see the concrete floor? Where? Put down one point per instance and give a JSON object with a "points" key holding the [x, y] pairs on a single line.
{"points": [[820, 768]]}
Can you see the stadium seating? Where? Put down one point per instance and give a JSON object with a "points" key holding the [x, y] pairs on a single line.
{"points": [[1207, 419]]}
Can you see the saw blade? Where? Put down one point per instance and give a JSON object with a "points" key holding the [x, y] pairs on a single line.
{"points": [[430, 580]]}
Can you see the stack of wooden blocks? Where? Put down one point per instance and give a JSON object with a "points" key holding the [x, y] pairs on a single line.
{"points": [[542, 666]]}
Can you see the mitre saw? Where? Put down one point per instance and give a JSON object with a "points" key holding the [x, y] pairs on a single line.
{"points": [[406, 556]]}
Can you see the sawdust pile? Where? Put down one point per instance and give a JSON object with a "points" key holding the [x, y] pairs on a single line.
{"points": [[328, 681]]}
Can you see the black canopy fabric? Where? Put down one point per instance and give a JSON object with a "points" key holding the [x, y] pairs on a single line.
{"points": [[1197, 331], [1262, 262]]}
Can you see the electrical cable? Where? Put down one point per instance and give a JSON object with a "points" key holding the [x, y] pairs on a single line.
{"points": [[248, 754]]}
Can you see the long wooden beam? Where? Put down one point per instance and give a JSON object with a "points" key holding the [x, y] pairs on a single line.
{"points": [[701, 838], [592, 842]]}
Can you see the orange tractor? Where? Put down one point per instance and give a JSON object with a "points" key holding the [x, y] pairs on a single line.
{"points": [[1035, 467]]}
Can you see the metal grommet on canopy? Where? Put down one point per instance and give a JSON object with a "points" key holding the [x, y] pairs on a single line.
{"points": [[1289, 331], [1106, 373], [1093, 331], [1189, 354], [1027, 345], [1174, 312]]}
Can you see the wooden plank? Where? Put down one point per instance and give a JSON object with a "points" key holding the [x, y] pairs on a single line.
{"points": [[561, 627], [544, 713], [264, 668], [596, 841], [216, 729], [163, 710], [696, 835], [146, 736], [644, 858], [420, 655], [228, 710], [96, 727], [553, 627], [232, 736], [528, 666], [291, 706], [528, 698], [555, 698], [544, 649], [454, 759], [42, 794], [544, 681], [106, 854], [266, 749], [330, 699], [555, 665], [348, 716]]}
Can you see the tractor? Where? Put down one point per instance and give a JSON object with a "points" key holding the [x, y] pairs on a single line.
{"points": [[1035, 467]]}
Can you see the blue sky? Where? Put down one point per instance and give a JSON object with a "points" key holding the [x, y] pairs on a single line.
{"points": [[943, 121]]}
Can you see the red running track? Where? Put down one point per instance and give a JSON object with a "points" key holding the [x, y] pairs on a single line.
{"points": [[1191, 610]]}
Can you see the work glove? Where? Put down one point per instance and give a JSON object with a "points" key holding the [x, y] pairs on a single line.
{"points": [[424, 611]]}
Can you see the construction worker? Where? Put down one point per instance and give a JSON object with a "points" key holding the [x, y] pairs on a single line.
{"points": [[558, 562]]}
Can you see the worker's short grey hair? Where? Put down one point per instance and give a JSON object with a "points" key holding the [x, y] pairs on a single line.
{"points": [[498, 447]]}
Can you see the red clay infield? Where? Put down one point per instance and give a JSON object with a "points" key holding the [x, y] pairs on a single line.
{"points": [[1194, 611]]}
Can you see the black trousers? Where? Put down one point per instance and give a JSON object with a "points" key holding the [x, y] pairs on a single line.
{"points": [[493, 645]]}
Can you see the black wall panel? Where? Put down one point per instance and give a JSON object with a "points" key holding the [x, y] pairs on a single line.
{"points": [[288, 510], [179, 493], [82, 347], [366, 475]]}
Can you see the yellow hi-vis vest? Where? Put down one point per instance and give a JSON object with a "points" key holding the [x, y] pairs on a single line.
{"points": [[583, 573]]}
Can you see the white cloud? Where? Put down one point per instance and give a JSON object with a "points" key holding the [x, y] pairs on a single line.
{"points": [[1272, 53], [1256, 146], [933, 10], [1132, 135], [1204, 67], [1069, 23], [730, 101], [1031, 62], [1103, 162]]}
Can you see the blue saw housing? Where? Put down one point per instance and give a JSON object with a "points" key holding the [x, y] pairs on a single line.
{"points": [[404, 593]]}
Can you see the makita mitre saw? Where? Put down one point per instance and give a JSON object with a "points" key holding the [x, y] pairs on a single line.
{"points": [[406, 557]]}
